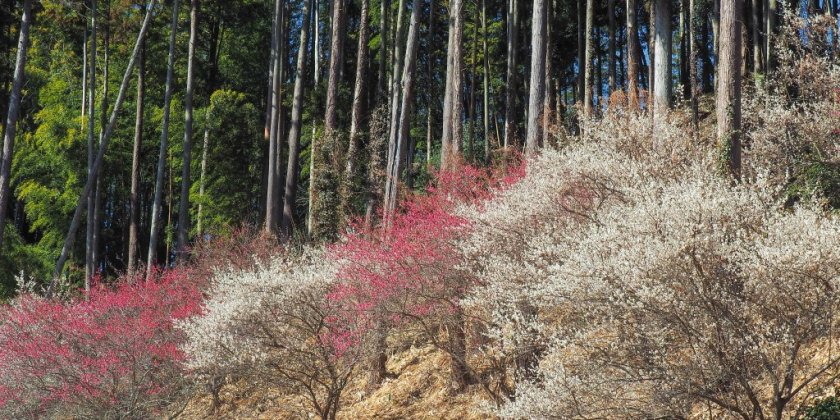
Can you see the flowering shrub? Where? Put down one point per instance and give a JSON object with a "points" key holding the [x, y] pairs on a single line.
{"points": [[115, 355], [274, 325]]}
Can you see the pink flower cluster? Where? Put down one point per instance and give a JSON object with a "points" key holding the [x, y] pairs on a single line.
{"points": [[116, 349], [410, 271]]}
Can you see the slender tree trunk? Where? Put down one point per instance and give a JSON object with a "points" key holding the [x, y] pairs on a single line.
{"points": [[432, 87], [549, 96], [471, 117], [683, 38], [164, 147], [215, 44], [384, 8], [651, 54], [409, 68], [590, 59], [693, 20], [611, 52], [632, 57], [103, 120], [357, 114], [184, 203], [393, 132], [662, 54], [202, 180], [100, 155], [729, 86], [580, 93], [453, 127], [84, 75], [294, 131], [757, 50], [771, 9], [135, 163], [272, 200], [486, 79], [91, 144], [316, 44], [537, 84], [511, 83], [336, 59], [12, 115]]}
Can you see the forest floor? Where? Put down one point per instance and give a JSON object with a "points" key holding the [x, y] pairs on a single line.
{"points": [[417, 389]]}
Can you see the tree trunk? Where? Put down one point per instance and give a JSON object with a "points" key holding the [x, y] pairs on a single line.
{"points": [[662, 54], [456, 126], [757, 50], [580, 93], [693, 18], [100, 155], [184, 203], [632, 57], [91, 144], [103, 119], [164, 147], [771, 9], [393, 125], [357, 114], [611, 51], [384, 8], [486, 80], [537, 84], [336, 59], [549, 96], [729, 86], [272, 199], [135, 163], [590, 57], [471, 117], [316, 44], [511, 83], [394, 165], [294, 131], [652, 55], [432, 88], [13, 114]]}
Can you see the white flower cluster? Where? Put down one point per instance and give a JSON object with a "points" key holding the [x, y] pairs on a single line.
{"points": [[650, 286], [246, 312]]}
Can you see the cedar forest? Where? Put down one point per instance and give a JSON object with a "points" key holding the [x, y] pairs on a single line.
{"points": [[423, 208]]}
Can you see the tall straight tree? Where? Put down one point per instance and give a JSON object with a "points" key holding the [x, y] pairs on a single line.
{"points": [[151, 258], [590, 59], [359, 87], [453, 104], [272, 201], [184, 203], [395, 161], [91, 222], [100, 154], [537, 84], [135, 163], [294, 131], [511, 83], [581, 58], [729, 86], [486, 80], [13, 114], [662, 57], [632, 57], [771, 9], [693, 20]]}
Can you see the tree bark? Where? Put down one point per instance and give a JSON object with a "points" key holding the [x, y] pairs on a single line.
{"points": [[357, 114], [511, 83], [662, 54], [395, 164], [632, 57], [184, 203], [432, 88], [771, 9], [456, 127], [693, 18], [580, 92], [537, 84], [611, 48], [272, 200], [13, 113], [135, 163], [486, 80], [590, 57], [100, 155], [90, 223], [729, 86], [294, 131], [151, 258], [336, 58]]}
